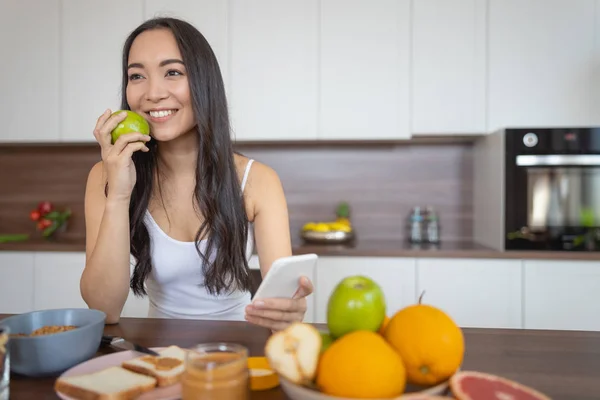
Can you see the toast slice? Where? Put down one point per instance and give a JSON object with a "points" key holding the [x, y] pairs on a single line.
{"points": [[166, 368], [113, 383]]}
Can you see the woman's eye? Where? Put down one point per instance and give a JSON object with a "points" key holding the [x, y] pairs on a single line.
{"points": [[133, 77], [173, 72]]}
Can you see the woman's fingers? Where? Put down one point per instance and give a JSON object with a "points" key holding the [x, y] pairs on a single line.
{"points": [[106, 123], [128, 138], [305, 289], [275, 315], [133, 147], [280, 304]]}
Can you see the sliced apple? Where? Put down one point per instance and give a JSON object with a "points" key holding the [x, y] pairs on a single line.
{"points": [[294, 352]]}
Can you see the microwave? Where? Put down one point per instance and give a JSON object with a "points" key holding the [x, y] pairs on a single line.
{"points": [[538, 189]]}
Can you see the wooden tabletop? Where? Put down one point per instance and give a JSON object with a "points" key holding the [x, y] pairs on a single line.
{"points": [[564, 365]]}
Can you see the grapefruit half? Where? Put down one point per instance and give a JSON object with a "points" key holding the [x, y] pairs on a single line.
{"points": [[471, 385]]}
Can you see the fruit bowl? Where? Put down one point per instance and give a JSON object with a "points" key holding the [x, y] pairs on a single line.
{"points": [[300, 392], [331, 236]]}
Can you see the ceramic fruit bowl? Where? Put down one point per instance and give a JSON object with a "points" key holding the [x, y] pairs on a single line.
{"points": [[299, 392]]}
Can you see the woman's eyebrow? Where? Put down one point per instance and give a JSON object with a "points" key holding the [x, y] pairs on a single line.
{"points": [[162, 63]]}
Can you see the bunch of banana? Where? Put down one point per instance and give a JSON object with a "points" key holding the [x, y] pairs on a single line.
{"points": [[341, 223]]}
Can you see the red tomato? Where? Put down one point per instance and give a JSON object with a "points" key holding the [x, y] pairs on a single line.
{"points": [[34, 215], [45, 207], [43, 224]]}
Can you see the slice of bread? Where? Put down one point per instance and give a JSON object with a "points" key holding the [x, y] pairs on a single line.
{"points": [[113, 383], [167, 369]]}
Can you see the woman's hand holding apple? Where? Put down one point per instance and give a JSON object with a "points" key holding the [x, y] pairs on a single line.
{"points": [[116, 157]]}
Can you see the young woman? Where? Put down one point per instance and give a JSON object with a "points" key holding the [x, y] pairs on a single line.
{"points": [[180, 201]]}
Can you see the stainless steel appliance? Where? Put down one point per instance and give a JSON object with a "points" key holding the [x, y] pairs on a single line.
{"points": [[542, 190]]}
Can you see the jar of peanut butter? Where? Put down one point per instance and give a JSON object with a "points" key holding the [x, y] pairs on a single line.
{"points": [[216, 371]]}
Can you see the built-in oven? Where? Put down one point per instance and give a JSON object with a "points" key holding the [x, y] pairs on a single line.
{"points": [[552, 189]]}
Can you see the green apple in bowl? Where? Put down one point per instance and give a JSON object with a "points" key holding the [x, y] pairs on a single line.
{"points": [[134, 122], [356, 303]]}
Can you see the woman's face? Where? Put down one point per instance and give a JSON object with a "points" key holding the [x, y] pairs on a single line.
{"points": [[158, 86]]}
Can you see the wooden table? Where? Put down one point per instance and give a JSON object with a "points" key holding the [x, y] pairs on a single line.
{"points": [[564, 365]]}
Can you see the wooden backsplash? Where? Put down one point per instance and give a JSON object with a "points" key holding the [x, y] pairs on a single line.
{"points": [[382, 182]]}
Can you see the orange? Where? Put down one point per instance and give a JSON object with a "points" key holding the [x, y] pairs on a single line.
{"points": [[361, 364], [429, 342], [386, 320]]}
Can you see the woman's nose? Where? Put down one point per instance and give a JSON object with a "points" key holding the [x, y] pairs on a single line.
{"points": [[156, 91]]}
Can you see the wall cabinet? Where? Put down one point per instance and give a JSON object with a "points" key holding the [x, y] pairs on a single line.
{"points": [[318, 69], [542, 63], [274, 69], [92, 38], [448, 67], [364, 69], [29, 73]]}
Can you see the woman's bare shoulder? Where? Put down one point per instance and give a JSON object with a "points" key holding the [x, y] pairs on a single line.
{"points": [[259, 173]]}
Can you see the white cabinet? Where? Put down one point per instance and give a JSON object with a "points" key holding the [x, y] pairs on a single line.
{"points": [[448, 64], [92, 38], [596, 72], [480, 293], [541, 63], [208, 16], [562, 295], [274, 66], [29, 71], [16, 282], [56, 283], [364, 69], [395, 276]]}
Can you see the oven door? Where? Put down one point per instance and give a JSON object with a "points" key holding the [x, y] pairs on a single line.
{"points": [[553, 203]]}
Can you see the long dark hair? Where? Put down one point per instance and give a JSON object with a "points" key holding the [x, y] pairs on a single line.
{"points": [[218, 192]]}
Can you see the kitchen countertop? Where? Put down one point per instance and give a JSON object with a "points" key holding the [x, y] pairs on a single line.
{"points": [[358, 248], [561, 364]]}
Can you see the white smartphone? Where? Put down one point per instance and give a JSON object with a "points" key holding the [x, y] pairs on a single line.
{"points": [[283, 278]]}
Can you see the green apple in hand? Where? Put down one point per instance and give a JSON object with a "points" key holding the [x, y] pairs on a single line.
{"points": [[356, 303], [134, 122]]}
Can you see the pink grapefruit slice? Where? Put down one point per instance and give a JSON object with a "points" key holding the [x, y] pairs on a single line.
{"points": [[472, 385]]}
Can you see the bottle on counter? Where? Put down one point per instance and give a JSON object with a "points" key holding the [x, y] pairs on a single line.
{"points": [[432, 226], [416, 226]]}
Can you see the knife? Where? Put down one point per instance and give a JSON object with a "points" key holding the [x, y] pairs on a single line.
{"points": [[120, 343]]}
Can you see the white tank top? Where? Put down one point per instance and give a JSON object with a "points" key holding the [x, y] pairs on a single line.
{"points": [[174, 285]]}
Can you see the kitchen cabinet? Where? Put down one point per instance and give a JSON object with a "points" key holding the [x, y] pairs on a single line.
{"points": [[209, 16], [395, 276], [56, 280], [475, 293], [541, 63], [596, 71], [449, 65], [92, 38], [364, 69], [16, 282], [562, 295], [274, 69], [30, 70]]}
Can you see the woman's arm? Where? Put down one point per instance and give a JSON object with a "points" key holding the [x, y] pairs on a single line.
{"points": [[271, 219], [272, 236], [105, 280]]}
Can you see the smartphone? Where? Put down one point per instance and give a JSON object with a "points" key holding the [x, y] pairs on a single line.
{"points": [[283, 278]]}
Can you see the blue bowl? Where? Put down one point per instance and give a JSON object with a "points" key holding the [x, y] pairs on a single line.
{"points": [[50, 355]]}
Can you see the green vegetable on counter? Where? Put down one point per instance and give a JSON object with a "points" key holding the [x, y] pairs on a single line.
{"points": [[17, 237]]}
